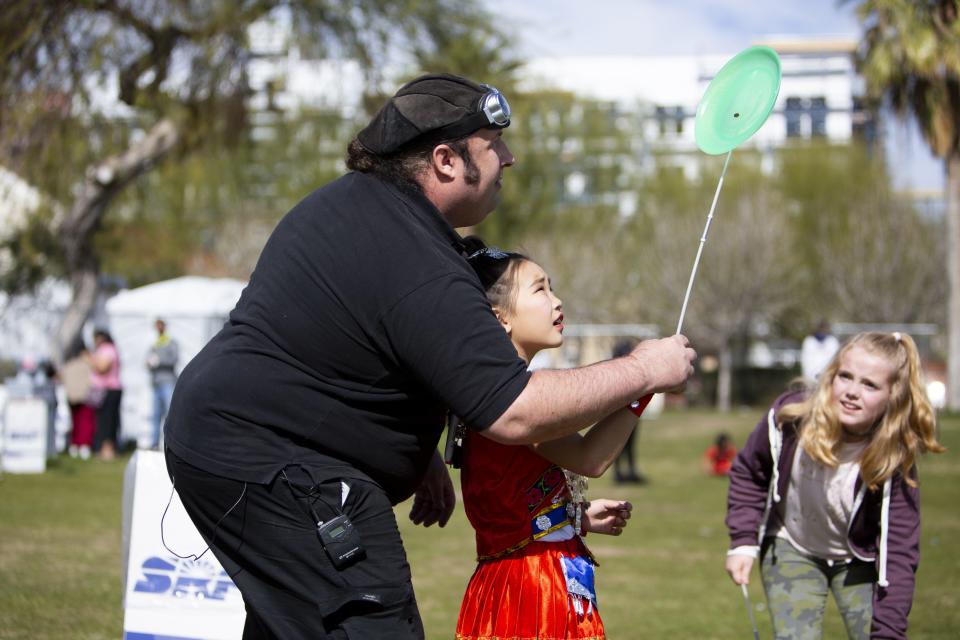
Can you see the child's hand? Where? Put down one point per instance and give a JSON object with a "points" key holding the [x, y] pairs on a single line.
{"points": [[739, 568], [607, 516]]}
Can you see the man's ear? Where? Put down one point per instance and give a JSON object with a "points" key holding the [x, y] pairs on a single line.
{"points": [[445, 161], [504, 322]]}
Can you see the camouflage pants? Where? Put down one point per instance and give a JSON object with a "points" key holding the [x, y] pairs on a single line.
{"points": [[796, 586]]}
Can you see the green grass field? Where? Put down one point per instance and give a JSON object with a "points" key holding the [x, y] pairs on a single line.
{"points": [[60, 549]]}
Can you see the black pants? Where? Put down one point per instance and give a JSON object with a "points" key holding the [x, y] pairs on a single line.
{"points": [[268, 543], [108, 419]]}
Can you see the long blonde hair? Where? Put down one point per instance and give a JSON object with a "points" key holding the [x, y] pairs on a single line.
{"points": [[904, 431]]}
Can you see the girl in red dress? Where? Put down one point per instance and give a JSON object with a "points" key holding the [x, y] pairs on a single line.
{"points": [[535, 574]]}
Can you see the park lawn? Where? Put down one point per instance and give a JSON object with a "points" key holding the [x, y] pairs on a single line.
{"points": [[60, 555], [664, 577]]}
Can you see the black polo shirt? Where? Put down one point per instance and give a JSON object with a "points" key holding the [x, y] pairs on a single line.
{"points": [[362, 323]]}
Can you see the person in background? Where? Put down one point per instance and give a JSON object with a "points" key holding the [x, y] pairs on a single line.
{"points": [[535, 577], [106, 391], [826, 492], [76, 376], [35, 380], [45, 387], [624, 467], [162, 363], [816, 351], [719, 456]]}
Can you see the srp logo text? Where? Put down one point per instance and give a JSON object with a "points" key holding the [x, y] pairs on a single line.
{"points": [[189, 579]]}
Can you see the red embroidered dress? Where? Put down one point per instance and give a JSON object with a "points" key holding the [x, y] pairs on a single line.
{"points": [[524, 587]]}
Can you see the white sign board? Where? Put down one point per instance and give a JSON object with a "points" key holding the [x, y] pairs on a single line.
{"points": [[166, 597], [25, 435]]}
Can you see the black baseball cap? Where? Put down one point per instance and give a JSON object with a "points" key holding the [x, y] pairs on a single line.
{"points": [[442, 105]]}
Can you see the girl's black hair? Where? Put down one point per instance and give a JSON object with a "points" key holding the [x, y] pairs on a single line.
{"points": [[496, 269], [103, 333]]}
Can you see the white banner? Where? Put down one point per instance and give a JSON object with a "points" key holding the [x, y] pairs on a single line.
{"points": [[25, 435], [167, 597]]}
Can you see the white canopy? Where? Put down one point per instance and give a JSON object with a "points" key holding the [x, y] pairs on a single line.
{"points": [[189, 296], [194, 309]]}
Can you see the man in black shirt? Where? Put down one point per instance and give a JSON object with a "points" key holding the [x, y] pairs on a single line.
{"points": [[320, 403]]}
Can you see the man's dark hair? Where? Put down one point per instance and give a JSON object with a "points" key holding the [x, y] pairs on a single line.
{"points": [[406, 165]]}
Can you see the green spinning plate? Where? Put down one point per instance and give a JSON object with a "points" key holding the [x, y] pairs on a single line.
{"points": [[738, 100]]}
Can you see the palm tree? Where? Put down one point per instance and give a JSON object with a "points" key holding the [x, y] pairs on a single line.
{"points": [[910, 55]]}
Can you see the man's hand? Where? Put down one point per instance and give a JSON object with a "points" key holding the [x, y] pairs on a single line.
{"points": [[434, 500], [739, 568], [607, 516], [668, 362]]}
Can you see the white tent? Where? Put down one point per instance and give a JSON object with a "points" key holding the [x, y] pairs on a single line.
{"points": [[194, 309]]}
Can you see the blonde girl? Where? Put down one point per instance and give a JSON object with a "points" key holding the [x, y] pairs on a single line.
{"points": [[825, 491]]}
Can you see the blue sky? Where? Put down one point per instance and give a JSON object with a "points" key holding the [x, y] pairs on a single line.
{"points": [[677, 27]]}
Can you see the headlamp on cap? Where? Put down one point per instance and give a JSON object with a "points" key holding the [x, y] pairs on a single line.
{"points": [[495, 106], [493, 110]]}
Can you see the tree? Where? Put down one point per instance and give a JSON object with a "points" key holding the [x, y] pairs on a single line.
{"points": [[867, 254], [94, 94], [574, 158], [747, 273], [910, 55], [610, 267]]}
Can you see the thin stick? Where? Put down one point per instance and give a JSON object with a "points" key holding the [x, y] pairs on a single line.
{"points": [[753, 621], [703, 241]]}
